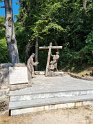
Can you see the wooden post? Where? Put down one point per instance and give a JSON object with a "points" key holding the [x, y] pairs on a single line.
{"points": [[36, 53], [48, 59]]}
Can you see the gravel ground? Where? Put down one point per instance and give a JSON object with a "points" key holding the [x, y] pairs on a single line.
{"points": [[81, 115], [3, 106]]}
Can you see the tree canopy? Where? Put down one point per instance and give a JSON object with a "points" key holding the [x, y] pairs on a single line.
{"points": [[63, 22]]}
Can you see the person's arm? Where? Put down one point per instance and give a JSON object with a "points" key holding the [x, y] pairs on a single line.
{"points": [[35, 63], [52, 55]]}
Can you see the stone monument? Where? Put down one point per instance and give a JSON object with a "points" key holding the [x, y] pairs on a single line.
{"points": [[18, 74], [55, 58], [54, 62]]}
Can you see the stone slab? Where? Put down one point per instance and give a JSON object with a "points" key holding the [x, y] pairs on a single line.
{"points": [[42, 84], [48, 107], [40, 72], [48, 101], [18, 75], [49, 95]]}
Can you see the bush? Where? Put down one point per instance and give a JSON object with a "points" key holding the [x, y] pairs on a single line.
{"points": [[3, 51]]}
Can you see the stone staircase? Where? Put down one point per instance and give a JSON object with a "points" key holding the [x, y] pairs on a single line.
{"points": [[49, 93]]}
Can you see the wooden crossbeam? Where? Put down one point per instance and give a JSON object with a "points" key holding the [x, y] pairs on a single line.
{"points": [[53, 47]]}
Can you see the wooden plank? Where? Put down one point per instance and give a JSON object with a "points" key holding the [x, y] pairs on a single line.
{"points": [[53, 47], [48, 59]]}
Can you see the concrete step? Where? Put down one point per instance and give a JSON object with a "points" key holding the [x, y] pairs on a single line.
{"points": [[49, 107], [50, 91], [23, 97], [48, 101], [24, 103]]}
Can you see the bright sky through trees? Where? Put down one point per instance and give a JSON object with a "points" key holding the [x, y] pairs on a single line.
{"points": [[15, 8]]}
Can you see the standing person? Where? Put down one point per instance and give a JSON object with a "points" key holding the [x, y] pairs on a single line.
{"points": [[55, 60], [30, 66]]}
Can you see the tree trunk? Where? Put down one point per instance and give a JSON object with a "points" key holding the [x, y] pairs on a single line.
{"points": [[85, 4], [10, 33], [36, 53]]}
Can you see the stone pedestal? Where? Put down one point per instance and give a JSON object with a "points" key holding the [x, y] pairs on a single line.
{"points": [[18, 75]]}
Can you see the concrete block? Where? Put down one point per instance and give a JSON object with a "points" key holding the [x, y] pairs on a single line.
{"points": [[18, 75]]}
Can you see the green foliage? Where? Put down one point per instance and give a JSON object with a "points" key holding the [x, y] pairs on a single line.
{"points": [[2, 28], [3, 45], [89, 39], [63, 22], [3, 51]]}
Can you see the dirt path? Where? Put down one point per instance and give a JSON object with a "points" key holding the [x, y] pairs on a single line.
{"points": [[81, 115]]}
